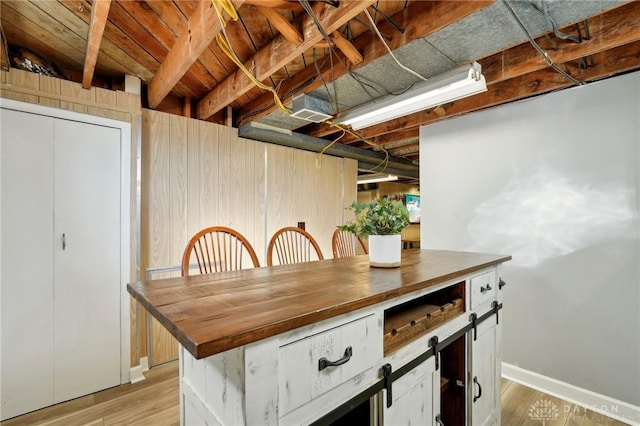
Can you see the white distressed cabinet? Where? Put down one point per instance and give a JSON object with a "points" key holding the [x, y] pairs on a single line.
{"points": [[64, 255], [416, 397], [484, 376]]}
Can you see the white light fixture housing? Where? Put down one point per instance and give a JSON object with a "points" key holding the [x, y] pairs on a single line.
{"points": [[455, 84], [373, 178]]}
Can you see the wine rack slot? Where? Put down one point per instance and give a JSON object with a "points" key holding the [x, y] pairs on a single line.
{"points": [[407, 322]]}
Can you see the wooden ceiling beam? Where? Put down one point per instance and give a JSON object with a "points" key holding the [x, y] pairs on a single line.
{"points": [[611, 29], [607, 63], [420, 19], [277, 4], [99, 15], [200, 30], [345, 46], [283, 26], [614, 28], [279, 53]]}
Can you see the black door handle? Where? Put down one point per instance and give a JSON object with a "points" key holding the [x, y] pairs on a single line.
{"points": [[324, 363], [477, 397]]}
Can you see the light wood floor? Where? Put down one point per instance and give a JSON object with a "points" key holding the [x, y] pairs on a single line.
{"points": [[154, 402]]}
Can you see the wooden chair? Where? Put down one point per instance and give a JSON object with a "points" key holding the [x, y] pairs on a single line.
{"points": [[293, 245], [345, 244], [218, 249]]}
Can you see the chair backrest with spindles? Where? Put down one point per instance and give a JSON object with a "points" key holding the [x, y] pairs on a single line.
{"points": [[345, 244], [292, 245], [217, 249]]}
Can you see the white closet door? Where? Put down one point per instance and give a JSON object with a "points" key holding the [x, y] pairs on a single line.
{"points": [[87, 263], [26, 151]]}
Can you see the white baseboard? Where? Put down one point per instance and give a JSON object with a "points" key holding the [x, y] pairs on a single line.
{"points": [[137, 372], [610, 407]]}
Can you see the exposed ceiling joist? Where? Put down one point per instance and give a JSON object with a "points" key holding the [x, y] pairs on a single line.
{"points": [[99, 15], [418, 20], [617, 27], [534, 83], [200, 30], [345, 46], [169, 45], [611, 29], [278, 53], [277, 4], [283, 26]]}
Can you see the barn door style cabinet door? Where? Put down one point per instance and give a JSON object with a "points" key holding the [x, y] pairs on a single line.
{"points": [[484, 375], [416, 397], [458, 384], [65, 196]]}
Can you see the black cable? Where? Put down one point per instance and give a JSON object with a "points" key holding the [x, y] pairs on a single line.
{"points": [[542, 53], [552, 23]]}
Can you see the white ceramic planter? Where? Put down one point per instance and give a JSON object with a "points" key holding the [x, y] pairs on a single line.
{"points": [[385, 250]]}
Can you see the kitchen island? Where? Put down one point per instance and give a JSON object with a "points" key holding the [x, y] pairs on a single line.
{"points": [[253, 342]]}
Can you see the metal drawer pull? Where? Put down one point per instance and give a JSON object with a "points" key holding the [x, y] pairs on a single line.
{"points": [[482, 289], [439, 420], [324, 363], [488, 287], [64, 242], [475, 398]]}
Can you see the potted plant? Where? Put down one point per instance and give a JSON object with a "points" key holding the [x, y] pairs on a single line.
{"points": [[381, 222]]}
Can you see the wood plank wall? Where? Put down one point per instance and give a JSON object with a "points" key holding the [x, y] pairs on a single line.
{"points": [[34, 88], [197, 174]]}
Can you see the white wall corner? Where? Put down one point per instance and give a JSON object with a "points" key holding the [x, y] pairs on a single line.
{"points": [[610, 407], [137, 372]]}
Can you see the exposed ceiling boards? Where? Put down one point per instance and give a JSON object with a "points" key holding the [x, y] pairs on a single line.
{"points": [[439, 36]]}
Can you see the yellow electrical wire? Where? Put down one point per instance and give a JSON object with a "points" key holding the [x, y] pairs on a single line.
{"points": [[224, 44], [227, 6], [227, 49]]}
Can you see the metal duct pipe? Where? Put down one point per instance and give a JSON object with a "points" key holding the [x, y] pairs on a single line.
{"points": [[367, 159]]}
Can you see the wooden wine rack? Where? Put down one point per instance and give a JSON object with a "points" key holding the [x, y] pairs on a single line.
{"points": [[408, 322]]}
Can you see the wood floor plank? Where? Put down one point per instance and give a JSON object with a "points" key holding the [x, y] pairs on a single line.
{"points": [[155, 402], [516, 401]]}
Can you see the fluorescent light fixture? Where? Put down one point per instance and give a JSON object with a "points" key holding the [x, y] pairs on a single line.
{"points": [[450, 86], [373, 178]]}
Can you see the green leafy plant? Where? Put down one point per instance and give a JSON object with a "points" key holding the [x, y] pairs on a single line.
{"points": [[383, 216]]}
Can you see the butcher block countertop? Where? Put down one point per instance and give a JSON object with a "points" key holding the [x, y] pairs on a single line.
{"points": [[212, 313]]}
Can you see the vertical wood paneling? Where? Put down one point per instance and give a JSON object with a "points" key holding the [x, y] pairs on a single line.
{"points": [[157, 163], [225, 190], [193, 172], [304, 187], [160, 251], [280, 197], [22, 79], [208, 195], [165, 347], [74, 90], [50, 85], [350, 186], [178, 186], [103, 96], [247, 200]]}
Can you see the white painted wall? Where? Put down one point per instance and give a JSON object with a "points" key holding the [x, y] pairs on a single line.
{"points": [[554, 181]]}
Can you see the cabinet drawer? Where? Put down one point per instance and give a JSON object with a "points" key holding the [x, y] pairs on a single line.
{"points": [[300, 376], [483, 289]]}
